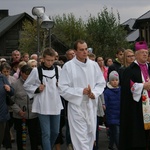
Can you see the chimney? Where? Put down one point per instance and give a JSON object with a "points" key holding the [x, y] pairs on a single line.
{"points": [[3, 13]]}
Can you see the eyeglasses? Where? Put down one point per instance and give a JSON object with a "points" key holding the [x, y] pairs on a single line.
{"points": [[129, 56]]}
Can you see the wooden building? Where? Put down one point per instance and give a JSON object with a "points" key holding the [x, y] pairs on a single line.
{"points": [[10, 28], [143, 24], [132, 34], [10, 33]]}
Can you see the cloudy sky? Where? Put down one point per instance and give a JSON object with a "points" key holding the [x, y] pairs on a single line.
{"points": [[80, 8]]}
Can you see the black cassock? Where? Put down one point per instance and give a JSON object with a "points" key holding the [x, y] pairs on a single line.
{"points": [[132, 133]]}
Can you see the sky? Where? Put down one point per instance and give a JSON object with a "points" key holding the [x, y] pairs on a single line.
{"points": [[80, 8]]}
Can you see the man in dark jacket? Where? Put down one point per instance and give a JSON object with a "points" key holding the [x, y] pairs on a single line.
{"points": [[117, 62], [5, 89], [135, 105]]}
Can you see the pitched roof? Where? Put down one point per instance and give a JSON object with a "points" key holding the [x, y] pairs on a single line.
{"points": [[145, 17], [133, 36], [58, 45], [130, 22], [8, 22]]}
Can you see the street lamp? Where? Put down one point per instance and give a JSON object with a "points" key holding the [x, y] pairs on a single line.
{"points": [[44, 21]]}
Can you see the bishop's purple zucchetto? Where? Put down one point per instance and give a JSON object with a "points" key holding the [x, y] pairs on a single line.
{"points": [[141, 45]]}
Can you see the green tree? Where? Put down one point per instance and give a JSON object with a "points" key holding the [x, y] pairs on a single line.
{"points": [[105, 34], [102, 32], [69, 29], [29, 40]]}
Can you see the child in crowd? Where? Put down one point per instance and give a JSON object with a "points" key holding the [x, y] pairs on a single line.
{"points": [[6, 71], [112, 103], [20, 65]]}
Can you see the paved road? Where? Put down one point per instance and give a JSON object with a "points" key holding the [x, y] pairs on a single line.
{"points": [[103, 142]]}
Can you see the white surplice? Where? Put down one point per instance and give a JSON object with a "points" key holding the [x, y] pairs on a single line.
{"points": [[82, 111], [48, 102]]}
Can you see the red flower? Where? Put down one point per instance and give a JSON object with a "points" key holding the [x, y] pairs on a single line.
{"points": [[144, 98]]}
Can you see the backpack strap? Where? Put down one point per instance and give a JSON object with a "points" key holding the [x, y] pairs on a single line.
{"points": [[39, 68], [41, 74], [56, 73]]}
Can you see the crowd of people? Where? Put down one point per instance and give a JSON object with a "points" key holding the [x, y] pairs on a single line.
{"points": [[42, 94]]}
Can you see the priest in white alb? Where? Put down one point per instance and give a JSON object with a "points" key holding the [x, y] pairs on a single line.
{"points": [[80, 83]]}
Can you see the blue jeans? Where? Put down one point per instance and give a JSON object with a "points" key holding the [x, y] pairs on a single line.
{"points": [[114, 135], [50, 130]]}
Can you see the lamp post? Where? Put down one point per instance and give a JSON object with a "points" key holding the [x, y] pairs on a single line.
{"points": [[38, 36], [43, 21], [52, 25], [48, 24], [50, 38]]}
